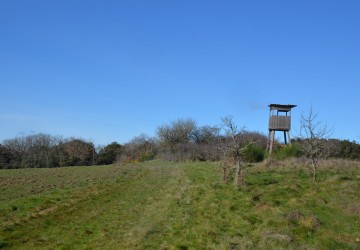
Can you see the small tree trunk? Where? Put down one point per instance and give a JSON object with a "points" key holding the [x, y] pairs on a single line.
{"points": [[314, 165], [225, 173], [238, 181]]}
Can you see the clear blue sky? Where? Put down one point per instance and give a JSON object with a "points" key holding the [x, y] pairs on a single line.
{"points": [[111, 70]]}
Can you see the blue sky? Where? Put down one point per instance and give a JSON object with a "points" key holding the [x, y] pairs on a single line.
{"points": [[111, 70]]}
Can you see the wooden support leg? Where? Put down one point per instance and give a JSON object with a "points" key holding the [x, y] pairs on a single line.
{"points": [[272, 141], [288, 132], [268, 141], [285, 137]]}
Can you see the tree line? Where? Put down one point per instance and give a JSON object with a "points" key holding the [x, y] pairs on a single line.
{"points": [[180, 140], [45, 151]]}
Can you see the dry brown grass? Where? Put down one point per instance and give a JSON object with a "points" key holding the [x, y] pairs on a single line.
{"points": [[302, 163]]}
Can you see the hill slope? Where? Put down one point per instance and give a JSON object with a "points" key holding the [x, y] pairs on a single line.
{"points": [[178, 206]]}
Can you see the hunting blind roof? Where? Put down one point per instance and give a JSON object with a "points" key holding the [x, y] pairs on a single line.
{"points": [[282, 107]]}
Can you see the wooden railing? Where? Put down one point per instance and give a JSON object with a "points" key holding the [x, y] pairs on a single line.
{"points": [[279, 123]]}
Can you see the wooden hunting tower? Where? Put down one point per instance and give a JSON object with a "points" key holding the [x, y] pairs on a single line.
{"points": [[279, 120]]}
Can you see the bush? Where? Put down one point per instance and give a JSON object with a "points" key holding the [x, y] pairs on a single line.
{"points": [[288, 151], [140, 148], [147, 157], [109, 154], [190, 152], [178, 132], [254, 153], [6, 158], [76, 152], [2, 244]]}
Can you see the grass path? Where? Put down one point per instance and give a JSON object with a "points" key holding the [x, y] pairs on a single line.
{"points": [[114, 212], [161, 205]]}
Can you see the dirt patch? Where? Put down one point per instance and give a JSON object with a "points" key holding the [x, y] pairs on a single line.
{"points": [[47, 210], [354, 209], [277, 236]]}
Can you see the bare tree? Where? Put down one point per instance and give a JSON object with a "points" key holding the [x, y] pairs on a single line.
{"points": [[32, 150], [179, 132], [313, 135], [206, 134], [17, 146], [232, 147], [140, 148], [76, 152]]}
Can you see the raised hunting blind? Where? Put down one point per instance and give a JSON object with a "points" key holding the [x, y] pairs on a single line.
{"points": [[279, 120]]}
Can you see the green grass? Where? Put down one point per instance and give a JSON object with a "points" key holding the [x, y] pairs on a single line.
{"points": [[163, 205]]}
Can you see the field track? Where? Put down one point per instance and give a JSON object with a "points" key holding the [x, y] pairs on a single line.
{"points": [[162, 205]]}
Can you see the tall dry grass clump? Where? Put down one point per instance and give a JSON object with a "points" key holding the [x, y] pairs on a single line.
{"points": [[302, 162]]}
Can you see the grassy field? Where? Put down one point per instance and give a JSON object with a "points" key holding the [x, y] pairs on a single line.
{"points": [[163, 205]]}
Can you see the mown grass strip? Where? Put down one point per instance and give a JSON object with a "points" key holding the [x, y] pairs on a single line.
{"points": [[163, 205]]}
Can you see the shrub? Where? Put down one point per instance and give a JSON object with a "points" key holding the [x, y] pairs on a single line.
{"points": [[254, 153], [109, 153], [2, 244], [190, 152], [140, 148], [288, 151], [147, 157], [178, 132]]}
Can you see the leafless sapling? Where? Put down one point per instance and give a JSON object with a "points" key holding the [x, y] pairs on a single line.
{"points": [[232, 147], [313, 135]]}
